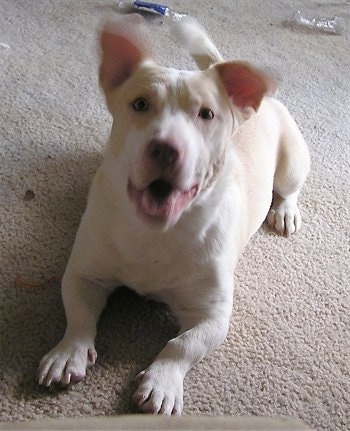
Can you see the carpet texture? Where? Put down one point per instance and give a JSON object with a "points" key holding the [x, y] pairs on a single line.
{"points": [[288, 350]]}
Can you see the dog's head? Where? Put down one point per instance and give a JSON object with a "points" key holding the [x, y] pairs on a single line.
{"points": [[172, 128]]}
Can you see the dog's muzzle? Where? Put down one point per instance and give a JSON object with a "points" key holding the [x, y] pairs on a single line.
{"points": [[161, 201], [164, 198], [163, 155]]}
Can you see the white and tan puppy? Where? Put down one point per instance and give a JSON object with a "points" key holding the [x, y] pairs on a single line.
{"points": [[192, 163]]}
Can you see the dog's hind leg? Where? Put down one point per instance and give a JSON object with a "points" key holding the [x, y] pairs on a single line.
{"points": [[292, 168]]}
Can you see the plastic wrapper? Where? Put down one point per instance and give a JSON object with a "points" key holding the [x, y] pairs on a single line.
{"points": [[4, 45], [126, 5], [331, 25]]}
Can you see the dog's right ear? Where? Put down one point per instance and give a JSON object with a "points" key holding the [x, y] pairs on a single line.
{"points": [[123, 50]]}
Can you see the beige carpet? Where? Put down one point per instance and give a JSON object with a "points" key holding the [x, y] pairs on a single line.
{"points": [[288, 350]]}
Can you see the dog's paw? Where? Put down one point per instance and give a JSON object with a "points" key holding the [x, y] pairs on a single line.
{"points": [[160, 390], [66, 363], [284, 218]]}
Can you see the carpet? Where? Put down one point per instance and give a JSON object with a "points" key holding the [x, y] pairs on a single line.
{"points": [[288, 351]]}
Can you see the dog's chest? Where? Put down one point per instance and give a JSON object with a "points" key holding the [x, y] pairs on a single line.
{"points": [[149, 260], [149, 266]]}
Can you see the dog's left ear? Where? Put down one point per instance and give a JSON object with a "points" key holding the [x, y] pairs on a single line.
{"points": [[245, 85], [124, 47]]}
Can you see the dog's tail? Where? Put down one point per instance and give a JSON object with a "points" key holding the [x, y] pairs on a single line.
{"points": [[195, 39]]}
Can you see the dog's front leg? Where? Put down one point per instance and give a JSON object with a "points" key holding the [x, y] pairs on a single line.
{"points": [[83, 301], [202, 330]]}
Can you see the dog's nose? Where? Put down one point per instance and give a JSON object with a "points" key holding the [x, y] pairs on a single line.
{"points": [[163, 154]]}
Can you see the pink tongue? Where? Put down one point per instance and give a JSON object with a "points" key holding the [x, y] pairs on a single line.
{"points": [[167, 207]]}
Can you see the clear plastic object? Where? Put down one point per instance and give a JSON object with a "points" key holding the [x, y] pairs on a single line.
{"points": [[332, 25], [153, 7]]}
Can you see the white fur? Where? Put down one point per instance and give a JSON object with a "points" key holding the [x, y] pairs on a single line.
{"points": [[194, 38], [186, 260]]}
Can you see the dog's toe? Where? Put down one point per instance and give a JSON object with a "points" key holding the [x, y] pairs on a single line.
{"points": [[65, 364], [160, 392], [168, 407], [285, 218]]}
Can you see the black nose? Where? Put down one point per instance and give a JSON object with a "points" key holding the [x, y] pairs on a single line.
{"points": [[163, 154]]}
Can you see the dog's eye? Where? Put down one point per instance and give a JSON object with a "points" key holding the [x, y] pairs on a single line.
{"points": [[140, 104], [206, 114]]}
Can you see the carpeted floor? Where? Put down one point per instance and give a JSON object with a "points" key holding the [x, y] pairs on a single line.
{"points": [[288, 350]]}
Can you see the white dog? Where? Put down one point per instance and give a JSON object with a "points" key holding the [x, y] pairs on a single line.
{"points": [[192, 163]]}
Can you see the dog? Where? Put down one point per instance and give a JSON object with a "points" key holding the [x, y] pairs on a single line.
{"points": [[195, 162]]}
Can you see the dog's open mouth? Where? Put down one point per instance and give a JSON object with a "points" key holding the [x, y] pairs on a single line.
{"points": [[161, 199]]}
